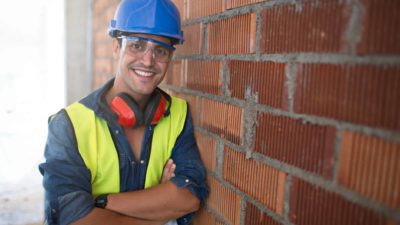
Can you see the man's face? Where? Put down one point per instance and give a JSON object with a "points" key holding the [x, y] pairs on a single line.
{"points": [[139, 75]]}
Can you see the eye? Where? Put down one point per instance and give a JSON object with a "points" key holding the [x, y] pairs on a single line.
{"points": [[162, 52], [137, 46]]}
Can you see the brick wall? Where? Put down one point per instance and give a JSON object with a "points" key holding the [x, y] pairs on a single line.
{"points": [[296, 106], [103, 63]]}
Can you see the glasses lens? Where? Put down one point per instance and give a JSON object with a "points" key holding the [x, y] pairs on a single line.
{"points": [[138, 47], [161, 54]]}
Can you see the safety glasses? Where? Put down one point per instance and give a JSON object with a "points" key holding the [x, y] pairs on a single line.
{"points": [[139, 46]]}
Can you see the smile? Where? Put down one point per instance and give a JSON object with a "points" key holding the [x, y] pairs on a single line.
{"points": [[143, 73]]}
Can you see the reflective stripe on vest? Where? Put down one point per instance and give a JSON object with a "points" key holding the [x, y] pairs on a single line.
{"points": [[96, 146]]}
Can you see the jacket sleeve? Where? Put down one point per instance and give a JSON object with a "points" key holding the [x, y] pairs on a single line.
{"points": [[66, 180], [190, 171]]}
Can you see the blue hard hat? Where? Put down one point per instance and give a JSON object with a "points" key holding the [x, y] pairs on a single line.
{"points": [[157, 17]]}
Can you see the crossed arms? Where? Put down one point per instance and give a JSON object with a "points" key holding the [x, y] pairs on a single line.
{"points": [[159, 204]]}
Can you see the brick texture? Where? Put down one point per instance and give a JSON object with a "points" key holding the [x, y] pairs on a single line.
{"points": [[266, 80], [200, 8], [207, 147], [370, 166], [101, 37], [103, 63], [362, 94], [237, 3], [222, 119], [99, 80], [181, 7], [204, 76], [174, 74], [315, 117], [193, 103], [312, 205], [103, 66], [308, 146], [103, 51], [224, 201], [314, 26], [203, 217], [193, 40], [380, 27], [256, 217], [238, 36], [265, 184]]}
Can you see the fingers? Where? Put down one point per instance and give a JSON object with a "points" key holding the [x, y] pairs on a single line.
{"points": [[169, 170]]}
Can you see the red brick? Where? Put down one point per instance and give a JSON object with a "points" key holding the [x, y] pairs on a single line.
{"points": [[104, 11], [205, 218], [102, 51], [363, 94], [307, 146], [193, 102], [109, 13], [380, 27], [316, 26], [370, 166], [224, 201], [263, 183], [204, 76], [193, 40], [200, 8], [222, 119], [174, 74], [97, 23], [237, 3], [207, 147], [265, 79], [100, 80], [234, 35], [102, 66], [99, 5], [256, 217], [101, 36], [393, 222], [181, 7], [313, 205]]}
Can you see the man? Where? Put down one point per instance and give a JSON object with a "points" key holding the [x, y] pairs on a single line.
{"points": [[126, 153]]}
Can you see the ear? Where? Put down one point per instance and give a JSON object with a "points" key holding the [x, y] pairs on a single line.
{"points": [[116, 48]]}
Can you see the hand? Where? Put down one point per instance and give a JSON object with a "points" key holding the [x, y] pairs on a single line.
{"points": [[169, 171]]}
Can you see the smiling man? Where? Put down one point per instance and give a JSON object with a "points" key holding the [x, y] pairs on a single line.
{"points": [[126, 153]]}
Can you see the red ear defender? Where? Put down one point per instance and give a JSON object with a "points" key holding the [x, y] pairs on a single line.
{"points": [[159, 113], [130, 115], [126, 116]]}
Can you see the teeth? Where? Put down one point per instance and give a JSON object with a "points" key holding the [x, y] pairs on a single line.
{"points": [[144, 74]]}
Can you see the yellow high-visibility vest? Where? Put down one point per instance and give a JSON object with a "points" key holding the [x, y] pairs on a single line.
{"points": [[96, 146]]}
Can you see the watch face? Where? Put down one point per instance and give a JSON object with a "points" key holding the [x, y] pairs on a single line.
{"points": [[101, 201]]}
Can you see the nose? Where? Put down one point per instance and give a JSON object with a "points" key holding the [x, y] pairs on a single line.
{"points": [[148, 57]]}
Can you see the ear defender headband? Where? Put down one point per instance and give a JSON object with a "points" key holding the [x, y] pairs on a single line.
{"points": [[130, 115]]}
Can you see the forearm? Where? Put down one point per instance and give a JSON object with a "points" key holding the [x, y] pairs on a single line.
{"points": [[106, 217], [162, 202]]}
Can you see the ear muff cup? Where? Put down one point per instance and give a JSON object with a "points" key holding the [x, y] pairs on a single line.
{"points": [[155, 109], [127, 110], [130, 115]]}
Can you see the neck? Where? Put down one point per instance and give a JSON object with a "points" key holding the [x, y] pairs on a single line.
{"points": [[141, 100]]}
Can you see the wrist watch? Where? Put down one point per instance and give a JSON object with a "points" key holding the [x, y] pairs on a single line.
{"points": [[101, 201]]}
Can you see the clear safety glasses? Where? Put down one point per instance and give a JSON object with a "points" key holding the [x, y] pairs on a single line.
{"points": [[139, 46]]}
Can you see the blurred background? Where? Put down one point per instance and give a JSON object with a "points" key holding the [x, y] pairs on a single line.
{"points": [[32, 87]]}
